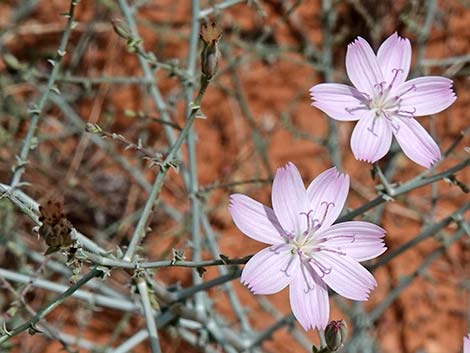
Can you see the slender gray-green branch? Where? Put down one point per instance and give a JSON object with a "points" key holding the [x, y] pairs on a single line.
{"points": [[51, 306], [37, 109]]}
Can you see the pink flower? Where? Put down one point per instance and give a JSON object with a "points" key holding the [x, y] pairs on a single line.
{"points": [[466, 344], [384, 103], [306, 250]]}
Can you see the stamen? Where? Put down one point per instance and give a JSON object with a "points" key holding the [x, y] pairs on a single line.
{"points": [[380, 87], [366, 96], [351, 110], [288, 265], [308, 220], [306, 279], [328, 204], [406, 113], [320, 222], [276, 248], [412, 88], [324, 270], [395, 127], [353, 238], [396, 72], [371, 129], [288, 236], [322, 248]]}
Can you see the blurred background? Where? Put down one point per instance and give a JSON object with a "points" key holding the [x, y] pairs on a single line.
{"points": [[257, 117]]}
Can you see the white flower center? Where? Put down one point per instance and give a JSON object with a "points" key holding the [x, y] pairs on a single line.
{"points": [[385, 102]]}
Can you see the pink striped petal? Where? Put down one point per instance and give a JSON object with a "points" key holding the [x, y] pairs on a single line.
{"points": [[344, 275], [394, 57], [309, 299], [371, 138], [362, 66], [425, 95], [340, 102], [270, 270], [327, 193], [359, 240], [289, 199], [255, 220], [416, 143]]}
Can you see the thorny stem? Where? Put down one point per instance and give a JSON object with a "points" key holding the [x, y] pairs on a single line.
{"points": [[139, 232], [37, 109], [402, 189], [192, 161], [406, 281], [149, 317], [51, 306], [328, 18]]}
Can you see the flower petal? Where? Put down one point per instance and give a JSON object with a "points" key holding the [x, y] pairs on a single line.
{"points": [[270, 270], [362, 66], [344, 275], [466, 344], [371, 138], [416, 143], [289, 199], [255, 219], [309, 299], [425, 95], [359, 240], [327, 193], [340, 102], [394, 57]]}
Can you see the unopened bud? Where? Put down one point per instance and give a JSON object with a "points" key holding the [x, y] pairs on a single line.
{"points": [[121, 29], [93, 128], [335, 334], [210, 35]]}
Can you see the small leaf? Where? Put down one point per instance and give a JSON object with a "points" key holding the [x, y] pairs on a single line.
{"points": [[224, 258], [51, 250], [200, 271]]}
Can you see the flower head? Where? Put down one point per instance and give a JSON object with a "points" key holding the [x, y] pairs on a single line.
{"points": [[384, 102], [306, 251], [466, 344]]}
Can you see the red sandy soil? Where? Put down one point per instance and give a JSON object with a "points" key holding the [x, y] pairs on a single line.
{"points": [[430, 315]]}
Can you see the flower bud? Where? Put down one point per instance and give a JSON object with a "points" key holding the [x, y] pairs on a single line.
{"points": [[210, 35], [335, 334], [121, 29]]}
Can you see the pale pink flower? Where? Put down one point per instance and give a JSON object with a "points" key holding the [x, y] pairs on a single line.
{"points": [[306, 250], [466, 344], [384, 103]]}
